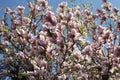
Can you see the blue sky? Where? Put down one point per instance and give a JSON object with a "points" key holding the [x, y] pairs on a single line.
{"points": [[13, 3], [54, 3]]}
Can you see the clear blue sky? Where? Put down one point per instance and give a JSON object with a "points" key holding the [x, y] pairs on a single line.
{"points": [[54, 3]]}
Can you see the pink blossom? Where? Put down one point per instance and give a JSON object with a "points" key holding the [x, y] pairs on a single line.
{"points": [[21, 32], [71, 23], [16, 22], [78, 66], [21, 55], [84, 76], [63, 5], [100, 29], [37, 8], [29, 36], [5, 43], [106, 35], [31, 5], [8, 10], [44, 63], [32, 40], [26, 20], [60, 27], [51, 18], [43, 3], [10, 59], [72, 33], [77, 55], [62, 77], [20, 8], [115, 9], [117, 51], [60, 41], [57, 34], [87, 50]]}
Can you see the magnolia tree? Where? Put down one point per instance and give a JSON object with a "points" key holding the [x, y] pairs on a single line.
{"points": [[72, 44]]}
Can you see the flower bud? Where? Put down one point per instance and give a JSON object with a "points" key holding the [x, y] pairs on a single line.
{"points": [[31, 5], [77, 55], [44, 63], [62, 77], [20, 8], [78, 66], [21, 32], [8, 10], [63, 4], [117, 51], [115, 10]]}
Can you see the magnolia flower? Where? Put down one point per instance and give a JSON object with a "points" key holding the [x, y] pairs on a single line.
{"points": [[78, 66], [31, 73], [10, 60], [24, 42], [60, 27], [113, 70], [51, 18], [65, 64], [20, 8], [21, 55], [87, 12], [95, 45], [117, 51], [8, 10], [60, 15], [26, 20], [115, 60], [101, 40], [21, 31], [36, 67], [115, 9], [30, 35], [71, 23], [63, 5], [5, 43], [87, 50], [70, 16], [106, 34], [43, 3], [84, 76], [42, 42], [60, 41], [44, 63], [77, 54], [100, 29], [37, 8], [105, 70], [118, 26], [31, 5], [57, 34], [32, 40], [4, 72], [62, 77], [103, 19], [72, 33], [17, 22]]}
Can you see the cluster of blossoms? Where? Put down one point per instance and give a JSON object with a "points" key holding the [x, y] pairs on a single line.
{"points": [[71, 44]]}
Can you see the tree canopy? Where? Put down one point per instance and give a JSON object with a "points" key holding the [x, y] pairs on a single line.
{"points": [[72, 44]]}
